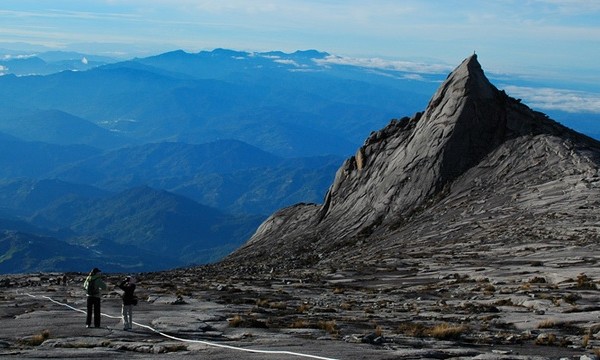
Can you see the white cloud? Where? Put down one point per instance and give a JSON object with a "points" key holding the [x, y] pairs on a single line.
{"points": [[378, 63], [11, 57], [287, 62], [556, 99], [270, 56], [573, 6]]}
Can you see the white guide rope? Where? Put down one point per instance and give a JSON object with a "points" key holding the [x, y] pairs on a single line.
{"points": [[273, 352]]}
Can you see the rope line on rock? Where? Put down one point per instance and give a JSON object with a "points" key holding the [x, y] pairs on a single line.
{"points": [[272, 352]]}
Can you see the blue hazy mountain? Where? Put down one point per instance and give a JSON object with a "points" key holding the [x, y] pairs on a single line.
{"points": [[141, 228], [227, 174], [35, 159], [28, 253]]}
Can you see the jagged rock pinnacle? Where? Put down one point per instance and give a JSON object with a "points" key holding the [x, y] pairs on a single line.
{"points": [[464, 120]]}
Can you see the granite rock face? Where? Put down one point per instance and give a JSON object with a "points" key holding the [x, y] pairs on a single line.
{"points": [[473, 155]]}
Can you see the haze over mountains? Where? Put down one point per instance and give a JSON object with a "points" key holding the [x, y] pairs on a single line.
{"points": [[176, 159]]}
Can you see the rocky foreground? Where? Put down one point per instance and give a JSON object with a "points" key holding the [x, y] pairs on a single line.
{"points": [[508, 301]]}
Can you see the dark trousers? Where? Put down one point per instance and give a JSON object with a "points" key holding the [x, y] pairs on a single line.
{"points": [[93, 303]]}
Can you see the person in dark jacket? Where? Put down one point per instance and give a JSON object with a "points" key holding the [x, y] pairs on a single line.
{"points": [[129, 299], [93, 285]]}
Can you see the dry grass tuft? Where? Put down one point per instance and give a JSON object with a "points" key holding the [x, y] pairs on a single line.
{"points": [[446, 331], [442, 331], [37, 339], [300, 324], [548, 324]]}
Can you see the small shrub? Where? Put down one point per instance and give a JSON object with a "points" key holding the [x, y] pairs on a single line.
{"points": [[346, 306], [303, 308], [183, 292], [329, 326], [489, 289], [262, 303], [235, 321], [546, 339], [538, 280], [413, 329], [571, 298], [78, 345], [526, 286], [175, 348], [504, 302], [585, 341], [585, 283]]}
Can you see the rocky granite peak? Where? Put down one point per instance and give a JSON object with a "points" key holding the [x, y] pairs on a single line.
{"points": [[471, 136]]}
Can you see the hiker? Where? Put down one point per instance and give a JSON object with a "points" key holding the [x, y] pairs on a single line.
{"points": [[93, 285], [129, 300]]}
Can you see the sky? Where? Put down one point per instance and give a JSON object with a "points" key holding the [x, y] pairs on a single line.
{"points": [[553, 39]]}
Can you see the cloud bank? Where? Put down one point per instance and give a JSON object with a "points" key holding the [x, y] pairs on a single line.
{"points": [[382, 64], [572, 101]]}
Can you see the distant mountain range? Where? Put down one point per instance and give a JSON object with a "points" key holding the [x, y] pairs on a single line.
{"points": [[48, 62], [291, 105], [175, 159]]}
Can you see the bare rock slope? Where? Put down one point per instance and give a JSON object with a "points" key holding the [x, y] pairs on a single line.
{"points": [[476, 165]]}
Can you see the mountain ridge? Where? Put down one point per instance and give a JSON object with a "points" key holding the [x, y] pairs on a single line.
{"points": [[412, 166]]}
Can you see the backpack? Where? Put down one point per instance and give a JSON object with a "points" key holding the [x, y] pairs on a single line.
{"points": [[91, 288]]}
